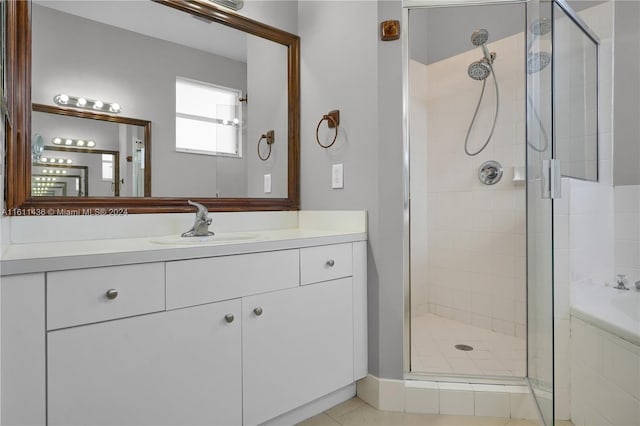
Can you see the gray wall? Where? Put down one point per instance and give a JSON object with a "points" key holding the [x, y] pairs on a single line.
{"points": [[626, 147], [139, 73], [344, 66]]}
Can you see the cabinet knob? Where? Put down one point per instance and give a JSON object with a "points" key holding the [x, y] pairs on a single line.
{"points": [[330, 263], [229, 318], [258, 311], [112, 293]]}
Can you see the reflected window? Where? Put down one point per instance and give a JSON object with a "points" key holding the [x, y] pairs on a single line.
{"points": [[107, 167], [207, 118]]}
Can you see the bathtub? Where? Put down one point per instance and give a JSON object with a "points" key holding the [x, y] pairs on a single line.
{"points": [[615, 311], [605, 355]]}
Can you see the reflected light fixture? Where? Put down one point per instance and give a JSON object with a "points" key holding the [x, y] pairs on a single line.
{"points": [[92, 104], [45, 160], [231, 4], [80, 143]]}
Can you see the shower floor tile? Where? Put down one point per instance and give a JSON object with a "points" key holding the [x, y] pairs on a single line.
{"points": [[494, 354]]}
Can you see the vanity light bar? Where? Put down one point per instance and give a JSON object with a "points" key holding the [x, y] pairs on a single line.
{"points": [[45, 160], [92, 104], [78, 143], [46, 179]]}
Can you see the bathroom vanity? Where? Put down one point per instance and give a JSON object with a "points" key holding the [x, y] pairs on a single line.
{"points": [[150, 334]]}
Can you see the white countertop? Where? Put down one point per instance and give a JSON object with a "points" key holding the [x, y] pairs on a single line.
{"points": [[55, 256]]}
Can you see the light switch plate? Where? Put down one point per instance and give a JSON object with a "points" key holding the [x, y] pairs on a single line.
{"points": [[267, 183], [337, 176]]}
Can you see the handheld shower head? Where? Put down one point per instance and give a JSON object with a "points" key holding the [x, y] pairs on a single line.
{"points": [[479, 37]]}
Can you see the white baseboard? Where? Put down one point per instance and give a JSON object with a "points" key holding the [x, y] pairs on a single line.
{"points": [[314, 407], [427, 397]]}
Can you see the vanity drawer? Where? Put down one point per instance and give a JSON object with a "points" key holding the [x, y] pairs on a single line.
{"points": [[324, 263], [96, 294], [197, 281]]}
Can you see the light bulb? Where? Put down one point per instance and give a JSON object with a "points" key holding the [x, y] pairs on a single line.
{"points": [[53, 179], [63, 99], [37, 178], [114, 107], [91, 144], [69, 161], [57, 141], [236, 121], [60, 160], [68, 142], [98, 105], [80, 143], [43, 160], [81, 102], [225, 122], [64, 172], [57, 172]]}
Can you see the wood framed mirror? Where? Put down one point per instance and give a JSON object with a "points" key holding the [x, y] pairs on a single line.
{"points": [[21, 32]]}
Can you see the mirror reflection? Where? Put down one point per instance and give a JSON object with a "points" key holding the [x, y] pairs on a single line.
{"points": [[105, 158], [209, 91], [575, 98]]}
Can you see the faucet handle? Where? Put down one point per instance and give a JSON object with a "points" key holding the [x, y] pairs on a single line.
{"points": [[621, 278]]}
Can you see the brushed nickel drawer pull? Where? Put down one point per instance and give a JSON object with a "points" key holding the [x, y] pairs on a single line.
{"points": [[258, 311], [330, 263], [229, 318], [112, 294]]}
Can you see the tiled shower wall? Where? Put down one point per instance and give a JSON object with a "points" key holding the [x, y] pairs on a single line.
{"points": [[475, 234]]}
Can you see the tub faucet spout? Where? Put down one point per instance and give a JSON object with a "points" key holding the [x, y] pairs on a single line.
{"points": [[621, 281]]}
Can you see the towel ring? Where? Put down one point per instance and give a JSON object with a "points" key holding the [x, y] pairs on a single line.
{"points": [[333, 121], [269, 137]]}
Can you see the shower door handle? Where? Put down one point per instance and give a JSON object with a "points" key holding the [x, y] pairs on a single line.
{"points": [[551, 179]]}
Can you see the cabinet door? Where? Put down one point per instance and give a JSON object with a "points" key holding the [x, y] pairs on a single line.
{"points": [[172, 368], [297, 345]]}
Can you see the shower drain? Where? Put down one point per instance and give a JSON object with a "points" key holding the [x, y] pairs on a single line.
{"points": [[463, 347]]}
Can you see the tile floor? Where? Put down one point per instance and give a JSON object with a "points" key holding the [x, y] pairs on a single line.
{"points": [[355, 412], [432, 349]]}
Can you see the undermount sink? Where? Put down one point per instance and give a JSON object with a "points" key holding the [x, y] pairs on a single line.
{"points": [[209, 239]]}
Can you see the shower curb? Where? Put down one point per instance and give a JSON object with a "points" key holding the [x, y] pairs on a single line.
{"points": [[431, 397]]}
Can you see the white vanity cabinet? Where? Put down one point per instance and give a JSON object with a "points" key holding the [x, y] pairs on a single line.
{"points": [[180, 367], [221, 340]]}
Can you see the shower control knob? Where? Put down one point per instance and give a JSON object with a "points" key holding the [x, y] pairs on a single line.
{"points": [[490, 173]]}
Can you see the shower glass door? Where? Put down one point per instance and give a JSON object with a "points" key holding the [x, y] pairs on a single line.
{"points": [[543, 183]]}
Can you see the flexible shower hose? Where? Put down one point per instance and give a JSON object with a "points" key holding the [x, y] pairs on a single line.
{"points": [[475, 115]]}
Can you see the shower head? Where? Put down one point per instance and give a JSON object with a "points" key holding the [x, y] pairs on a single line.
{"points": [[537, 61], [541, 26], [479, 37], [479, 70]]}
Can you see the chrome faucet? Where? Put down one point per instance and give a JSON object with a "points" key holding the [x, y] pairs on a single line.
{"points": [[200, 227], [621, 281]]}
